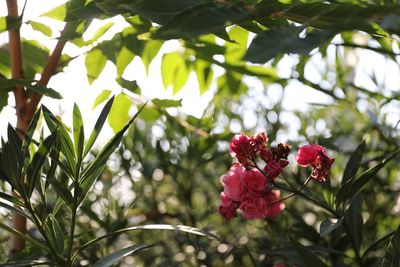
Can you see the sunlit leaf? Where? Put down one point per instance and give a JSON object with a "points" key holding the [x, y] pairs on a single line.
{"points": [[118, 255], [95, 62], [119, 113], [37, 26], [103, 96]]}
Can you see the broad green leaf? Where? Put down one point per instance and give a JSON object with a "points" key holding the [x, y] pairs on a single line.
{"points": [[98, 126], [150, 51], [160, 11], [174, 71], [37, 26], [103, 96], [124, 57], [204, 74], [9, 23], [95, 168], [132, 86], [236, 49], [79, 134], [95, 62], [392, 256], [99, 33], [283, 40], [118, 255], [167, 103], [57, 13], [201, 19], [119, 113], [328, 226], [44, 91], [309, 258]]}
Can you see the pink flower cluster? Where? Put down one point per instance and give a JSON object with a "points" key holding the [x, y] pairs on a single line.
{"points": [[316, 157], [245, 186], [248, 188]]}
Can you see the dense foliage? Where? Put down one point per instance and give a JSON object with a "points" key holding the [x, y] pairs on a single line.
{"points": [[86, 205]]}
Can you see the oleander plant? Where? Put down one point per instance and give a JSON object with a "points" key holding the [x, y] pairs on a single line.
{"points": [[290, 157]]}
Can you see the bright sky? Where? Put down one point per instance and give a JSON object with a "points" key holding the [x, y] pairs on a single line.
{"points": [[73, 85]]}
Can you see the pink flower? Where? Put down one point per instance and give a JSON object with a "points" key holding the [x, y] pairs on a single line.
{"points": [[227, 209], [245, 148], [308, 154], [254, 181], [316, 157], [273, 169], [232, 181], [279, 265], [262, 207], [274, 206]]}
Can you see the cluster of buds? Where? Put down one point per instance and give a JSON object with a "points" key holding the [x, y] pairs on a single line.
{"points": [[249, 187]]}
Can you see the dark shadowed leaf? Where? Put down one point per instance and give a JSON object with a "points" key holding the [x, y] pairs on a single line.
{"points": [[279, 40], [354, 163], [329, 225], [354, 221], [392, 256], [44, 91], [308, 257]]}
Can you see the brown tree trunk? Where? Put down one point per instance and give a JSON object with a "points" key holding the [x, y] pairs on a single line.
{"points": [[25, 106]]}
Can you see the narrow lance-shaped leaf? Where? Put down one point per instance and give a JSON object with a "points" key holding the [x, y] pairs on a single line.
{"points": [[35, 166], [67, 147], [176, 228], [54, 161], [350, 171], [308, 257], [98, 126], [392, 256], [118, 255], [98, 164], [328, 226], [79, 134], [354, 221]]}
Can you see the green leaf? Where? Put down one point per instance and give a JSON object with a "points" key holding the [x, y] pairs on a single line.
{"points": [[11, 83], [124, 57], [118, 255], [279, 40], [150, 51], [103, 96], [174, 71], [204, 74], [57, 13], [160, 11], [98, 126], [349, 173], [328, 226], [54, 159], [95, 168], [44, 91], [358, 184], [354, 222], [354, 163], [392, 256], [119, 113], [201, 19], [67, 146], [79, 133], [15, 210], [95, 62], [308, 257], [62, 191], [9, 23], [54, 233], [37, 26], [169, 227], [3, 99], [167, 103], [35, 167], [132, 86]]}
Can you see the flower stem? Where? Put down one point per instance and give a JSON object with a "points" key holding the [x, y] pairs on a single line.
{"points": [[294, 192]]}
